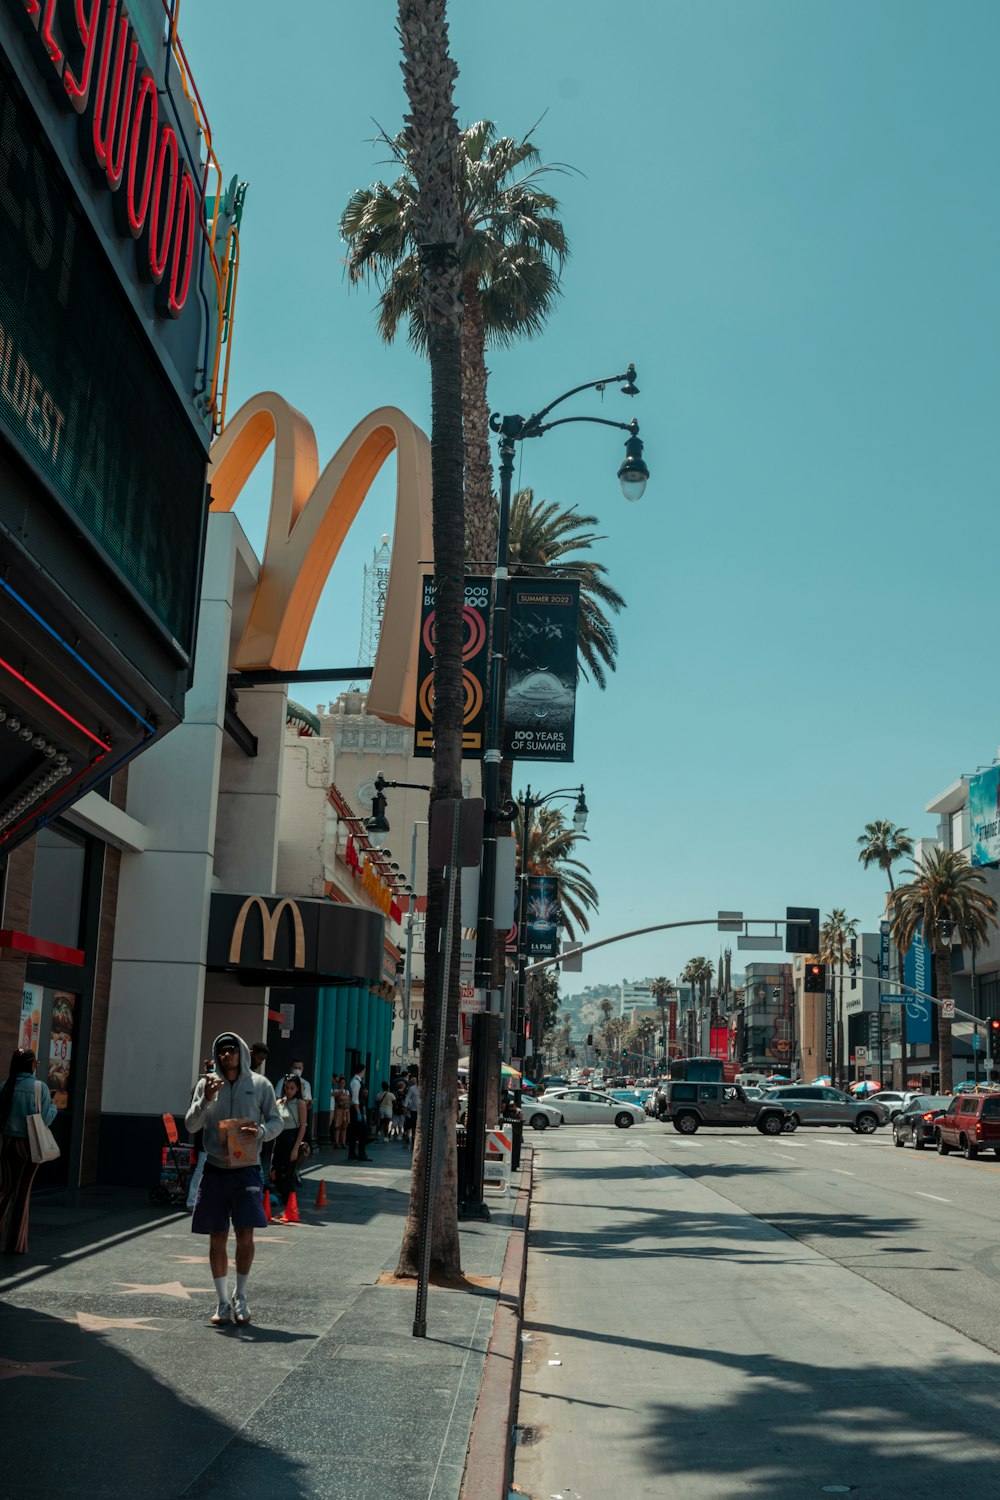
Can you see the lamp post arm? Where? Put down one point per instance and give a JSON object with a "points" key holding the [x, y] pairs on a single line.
{"points": [[632, 427], [414, 786], [590, 385]]}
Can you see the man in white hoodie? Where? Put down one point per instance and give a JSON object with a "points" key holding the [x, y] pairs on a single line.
{"points": [[231, 1190]]}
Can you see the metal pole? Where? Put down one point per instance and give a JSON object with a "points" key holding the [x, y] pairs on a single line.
{"points": [[517, 1020], [975, 1012], [408, 982], [431, 1096]]}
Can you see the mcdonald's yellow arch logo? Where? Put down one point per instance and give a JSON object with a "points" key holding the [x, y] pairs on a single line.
{"points": [[269, 930], [311, 514]]}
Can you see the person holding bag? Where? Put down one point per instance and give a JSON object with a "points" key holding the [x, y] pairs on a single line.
{"points": [[290, 1148], [26, 1112]]}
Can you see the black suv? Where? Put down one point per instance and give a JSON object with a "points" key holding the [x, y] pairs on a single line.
{"points": [[691, 1105]]}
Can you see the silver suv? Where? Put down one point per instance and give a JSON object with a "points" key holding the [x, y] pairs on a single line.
{"points": [[819, 1104]]}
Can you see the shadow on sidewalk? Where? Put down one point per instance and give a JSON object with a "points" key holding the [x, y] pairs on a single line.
{"points": [[92, 1422]]}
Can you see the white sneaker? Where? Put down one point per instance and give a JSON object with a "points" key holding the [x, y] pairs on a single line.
{"points": [[241, 1311], [223, 1314]]}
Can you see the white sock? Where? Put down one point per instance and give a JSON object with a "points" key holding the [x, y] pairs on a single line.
{"points": [[221, 1288], [241, 1283]]}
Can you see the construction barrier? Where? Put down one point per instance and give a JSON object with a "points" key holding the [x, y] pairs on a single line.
{"points": [[496, 1168]]}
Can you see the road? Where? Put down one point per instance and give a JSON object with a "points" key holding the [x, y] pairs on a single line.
{"points": [[734, 1315]]}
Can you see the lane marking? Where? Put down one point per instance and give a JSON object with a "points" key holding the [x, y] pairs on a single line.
{"points": [[935, 1196], [842, 1171]]}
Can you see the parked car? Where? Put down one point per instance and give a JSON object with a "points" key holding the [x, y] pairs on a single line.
{"points": [[818, 1104], [540, 1114], [892, 1100], [916, 1124], [970, 1124], [627, 1096], [588, 1107], [691, 1105]]}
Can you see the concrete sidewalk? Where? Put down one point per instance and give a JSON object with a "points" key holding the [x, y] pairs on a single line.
{"points": [[116, 1384]]}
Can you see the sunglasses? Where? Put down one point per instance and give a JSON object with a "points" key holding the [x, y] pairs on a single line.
{"points": [[227, 1047]]}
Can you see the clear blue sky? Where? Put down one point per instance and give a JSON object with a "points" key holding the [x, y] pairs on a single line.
{"points": [[787, 215]]}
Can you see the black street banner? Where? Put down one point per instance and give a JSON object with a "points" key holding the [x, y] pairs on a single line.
{"points": [[541, 930], [475, 660], [540, 705]]}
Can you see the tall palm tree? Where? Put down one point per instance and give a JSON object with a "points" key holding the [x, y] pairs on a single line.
{"points": [[835, 935], [431, 140], [946, 902], [550, 852], [512, 249], [641, 1033], [691, 974], [882, 844], [544, 535], [663, 989]]}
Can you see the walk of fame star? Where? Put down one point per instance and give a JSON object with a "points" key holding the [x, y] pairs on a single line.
{"points": [[94, 1323], [44, 1369], [163, 1289]]}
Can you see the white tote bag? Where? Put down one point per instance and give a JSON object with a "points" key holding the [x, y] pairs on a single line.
{"points": [[40, 1138]]}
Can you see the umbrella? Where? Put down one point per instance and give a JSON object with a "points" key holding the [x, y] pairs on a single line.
{"points": [[825, 1079], [865, 1086], [505, 1068]]}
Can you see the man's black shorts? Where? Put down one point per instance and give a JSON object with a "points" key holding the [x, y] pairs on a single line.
{"points": [[228, 1195]]}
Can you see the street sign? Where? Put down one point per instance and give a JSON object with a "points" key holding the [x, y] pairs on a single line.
{"points": [[976, 1042], [892, 1000], [730, 921], [861, 1054], [760, 944], [948, 1009]]}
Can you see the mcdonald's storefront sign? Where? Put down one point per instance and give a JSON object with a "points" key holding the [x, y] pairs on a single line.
{"points": [[294, 940]]}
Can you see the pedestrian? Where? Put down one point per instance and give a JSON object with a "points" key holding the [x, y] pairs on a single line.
{"points": [[258, 1062], [198, 1146], [258, 1057], [399, 1110], [231, 1190], [22, 1095], [384, 1102], [357, 1131], [307, 1094], [288, 1152], [412, 1109], [341, 1117]]}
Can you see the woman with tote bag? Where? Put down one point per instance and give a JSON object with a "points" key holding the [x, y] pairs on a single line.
{"points": [[22, 1147]]}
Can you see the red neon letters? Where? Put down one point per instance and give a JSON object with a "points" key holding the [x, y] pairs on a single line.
{"points": [[93, 49]]}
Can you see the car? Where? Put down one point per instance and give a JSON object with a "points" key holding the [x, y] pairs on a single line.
{"points": [[627, 1096], [555, 1081], [818, 1104], [916, 1124], [540, 1114], [589, 1107], [892, 1100], [690, 1105], [970, 1123]]}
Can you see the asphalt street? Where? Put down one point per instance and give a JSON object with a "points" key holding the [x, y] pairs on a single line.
{"points": [[734, 1315]]}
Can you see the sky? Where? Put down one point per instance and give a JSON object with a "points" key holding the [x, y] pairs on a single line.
{"points": [[785, 213]]}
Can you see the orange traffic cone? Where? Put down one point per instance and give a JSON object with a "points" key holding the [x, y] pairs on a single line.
{"points": [[321, 1195], [291, 1214], [267, 1205]]}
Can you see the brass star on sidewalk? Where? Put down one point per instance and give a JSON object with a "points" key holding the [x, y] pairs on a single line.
{"points": [[45, 1369], [94, 1323], [164, 1289], [191, 1260]]}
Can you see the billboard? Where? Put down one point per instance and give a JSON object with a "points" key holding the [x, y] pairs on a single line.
{"points": [[540, 704], [984, 817], [542, 925], [475, 667]]}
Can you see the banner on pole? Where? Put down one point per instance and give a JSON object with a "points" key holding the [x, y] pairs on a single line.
{"points": [[541, 936], [540, 705], [475, 662]]}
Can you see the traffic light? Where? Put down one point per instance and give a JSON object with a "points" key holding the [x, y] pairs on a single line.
{"points": [[590, 1038], [416, 1036], [815, 979], [853, 961], [802, 929], [993, 1027], [776, 992]]}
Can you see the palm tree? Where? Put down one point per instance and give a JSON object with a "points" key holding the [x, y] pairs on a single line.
{"points": [[663, 990], [882, 843], [512, 249], [431, 142], [946, 902], [544, 535], [835, 936], [550, 852]]}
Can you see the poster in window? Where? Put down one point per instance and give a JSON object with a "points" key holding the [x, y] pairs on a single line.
{"points": [[31, 1016], [61, 1046]]}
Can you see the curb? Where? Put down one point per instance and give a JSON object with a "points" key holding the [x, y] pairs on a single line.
{"points": [[489, 1460]]}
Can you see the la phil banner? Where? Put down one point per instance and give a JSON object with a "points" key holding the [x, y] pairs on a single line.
{"points": [[541, 930], [540, 705], [475, 660], [984, 817]]}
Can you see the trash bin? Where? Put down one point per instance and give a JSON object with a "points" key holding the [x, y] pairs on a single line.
{"points": [[516, 1128]]}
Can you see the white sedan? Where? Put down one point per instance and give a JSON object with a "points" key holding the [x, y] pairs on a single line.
{"points": [[589, 1107], [540, 1113]]}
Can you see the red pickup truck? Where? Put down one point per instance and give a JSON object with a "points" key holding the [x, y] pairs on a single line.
{"points": [[970, 1124]]}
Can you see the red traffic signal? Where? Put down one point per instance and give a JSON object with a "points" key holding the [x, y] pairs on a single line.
{"points": [[993, 1027], [815, 979]]}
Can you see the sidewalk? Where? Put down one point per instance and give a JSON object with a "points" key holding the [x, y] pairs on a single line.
{"points": [[116, 1384]]}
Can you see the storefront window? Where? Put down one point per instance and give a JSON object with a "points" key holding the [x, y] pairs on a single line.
{"points": [[48, 1021], [57, 888]]}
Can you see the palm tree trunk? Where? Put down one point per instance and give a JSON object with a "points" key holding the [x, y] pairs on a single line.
{"points": [[942, 973], [429, 76], [480, 504]]}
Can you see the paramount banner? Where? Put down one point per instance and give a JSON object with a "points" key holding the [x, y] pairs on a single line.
{"points": [[475, 659], [540, 704], [984, 817], [541, 930]]}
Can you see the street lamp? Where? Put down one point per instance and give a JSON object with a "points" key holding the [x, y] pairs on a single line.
{"points": [[632, 475], [528, 804]]}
